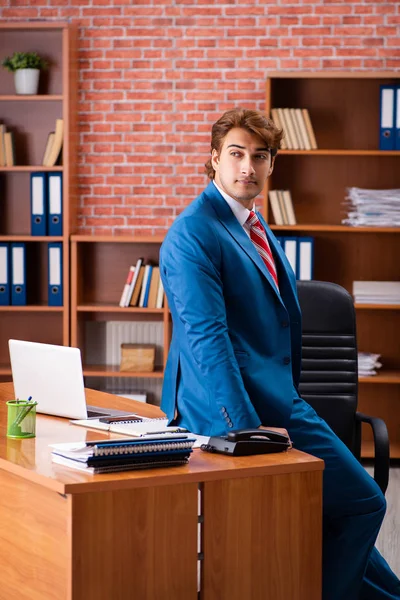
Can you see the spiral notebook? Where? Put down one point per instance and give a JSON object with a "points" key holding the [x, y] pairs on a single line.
{"points": [[117, 455], [164, 461], [134, 427]]}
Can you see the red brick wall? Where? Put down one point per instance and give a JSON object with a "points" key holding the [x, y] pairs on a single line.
{"points": [[154, 77]]}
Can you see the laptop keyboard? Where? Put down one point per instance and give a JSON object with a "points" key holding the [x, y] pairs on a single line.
{"points": [[94, 413]]}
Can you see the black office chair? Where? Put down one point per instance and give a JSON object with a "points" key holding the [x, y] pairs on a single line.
{"points": [[329, 373]]}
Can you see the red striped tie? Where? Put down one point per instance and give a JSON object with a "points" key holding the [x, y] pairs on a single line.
{"points": [[259, 239]]}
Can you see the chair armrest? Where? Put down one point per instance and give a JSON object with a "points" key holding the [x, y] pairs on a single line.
{"points": [[381, 444]]}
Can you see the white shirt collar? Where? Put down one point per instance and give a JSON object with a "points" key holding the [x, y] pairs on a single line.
{"points": [[240, 212]]}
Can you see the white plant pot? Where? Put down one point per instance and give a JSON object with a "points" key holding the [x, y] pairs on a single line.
{"points": [[26, 81]]}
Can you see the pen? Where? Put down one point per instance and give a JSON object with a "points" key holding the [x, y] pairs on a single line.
{"points": [[173, 430], [24, 412]]}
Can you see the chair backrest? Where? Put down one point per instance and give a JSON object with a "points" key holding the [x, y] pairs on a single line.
{"points": [[329, 376]]}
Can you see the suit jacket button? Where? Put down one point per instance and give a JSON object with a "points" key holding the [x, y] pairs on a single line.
{"points": [[286, 360], [223, 410], [285, 324], [230, 424]]}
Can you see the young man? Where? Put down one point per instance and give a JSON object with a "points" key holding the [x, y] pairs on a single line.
{"points": [[235, 353]]}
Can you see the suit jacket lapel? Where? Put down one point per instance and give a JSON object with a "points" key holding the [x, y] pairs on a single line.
{"points": [[231, 224], [287, 286]]}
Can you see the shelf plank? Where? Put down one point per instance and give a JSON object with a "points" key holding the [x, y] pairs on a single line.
{"points": [[30, 238], [117, 309], [382, 377], [335, 228], [368, 451], [36, 25], [31, 168], [377, 306], [328, 152], [30, 98], [32, 308], [143, 239], [114, 371], [334, 75]]}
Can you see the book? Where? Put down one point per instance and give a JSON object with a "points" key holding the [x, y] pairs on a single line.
{"points": [[155, 277], [309, 128], [124, 295], [9, 149], [303, 129], [2, 148], [282, 206], [275, 207], [56, 145], [133, 282], [138, 288], [287, 201], [144, 292], [276, 119], [297, 129], [49, 143], [284, 116], [160, 294], [291, 129]]}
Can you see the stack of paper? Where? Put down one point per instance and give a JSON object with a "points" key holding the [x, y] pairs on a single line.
{"points": [[372, 208], [368, 363], [104, 456], [376, 292]]}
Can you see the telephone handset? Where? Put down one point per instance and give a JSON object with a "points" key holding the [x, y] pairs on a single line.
{"points": [[244, 442]]}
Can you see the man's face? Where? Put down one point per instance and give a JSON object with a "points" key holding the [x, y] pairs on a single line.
{"points": [[242, 166]]}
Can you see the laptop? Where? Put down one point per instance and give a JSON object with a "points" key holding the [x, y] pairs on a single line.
{"points": [[53, 376]]}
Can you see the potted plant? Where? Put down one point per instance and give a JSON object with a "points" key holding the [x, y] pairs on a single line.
{"points": [[26, 67]]}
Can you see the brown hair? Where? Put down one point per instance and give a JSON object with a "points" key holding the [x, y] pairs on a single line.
{"points": [[252, 120]]}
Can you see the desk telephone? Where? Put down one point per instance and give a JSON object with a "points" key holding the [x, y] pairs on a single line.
{"points": [[244, 442]]}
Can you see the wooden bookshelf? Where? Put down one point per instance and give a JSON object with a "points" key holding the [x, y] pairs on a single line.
{"points": [[99, 267], [334, 228], [31, 118], [348, 155], [330, 152], [38, 97], [114, 371], [30, 169]]}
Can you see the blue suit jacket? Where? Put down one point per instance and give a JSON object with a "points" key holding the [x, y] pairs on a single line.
{"points": [[236, 346]]}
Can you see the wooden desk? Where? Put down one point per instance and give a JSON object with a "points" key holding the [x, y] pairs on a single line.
{"points": [[67, 535]]}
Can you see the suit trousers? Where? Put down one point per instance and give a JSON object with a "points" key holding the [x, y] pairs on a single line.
{"points": [[353, 510]]}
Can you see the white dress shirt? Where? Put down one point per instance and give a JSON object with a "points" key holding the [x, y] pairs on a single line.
{"points": [[240, 212]]}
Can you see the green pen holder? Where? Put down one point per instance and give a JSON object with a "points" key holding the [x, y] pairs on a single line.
{"points": [[21, 419]]}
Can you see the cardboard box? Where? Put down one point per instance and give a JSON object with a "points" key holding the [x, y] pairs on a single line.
{"points": [[137, 358]]}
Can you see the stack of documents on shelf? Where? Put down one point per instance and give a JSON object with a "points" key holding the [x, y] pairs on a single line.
{"points": [[376, 292], [104, 456], [372, 208], [368, 363]]}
